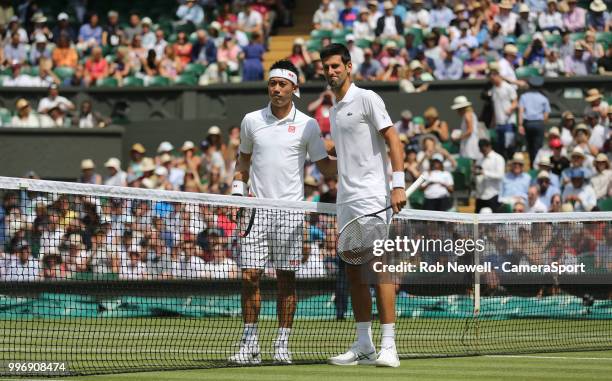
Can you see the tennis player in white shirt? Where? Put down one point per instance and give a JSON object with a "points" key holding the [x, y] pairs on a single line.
{"points": [[361, 128], [274, 142]]}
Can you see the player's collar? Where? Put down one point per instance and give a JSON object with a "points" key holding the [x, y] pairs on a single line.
{"points": [[290, 116], [350, 94]]}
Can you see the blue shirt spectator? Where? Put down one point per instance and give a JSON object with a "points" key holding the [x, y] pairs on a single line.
{"points": [[515, 184], [204, 49], [535, 105], [536, 6], [449, 68], [15, 53], [63, 28], [401, 11], [91, 32], [348, 15], [440, 16], [190, 12], [370, 68]]}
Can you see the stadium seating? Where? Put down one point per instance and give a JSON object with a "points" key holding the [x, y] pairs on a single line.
{"points": [[132, 81], [159, 81], [107, 82], [605, 204]]}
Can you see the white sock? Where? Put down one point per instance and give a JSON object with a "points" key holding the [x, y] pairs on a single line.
{"points": [[388, 335], [364, 334], [250, 333], [283, 336]]}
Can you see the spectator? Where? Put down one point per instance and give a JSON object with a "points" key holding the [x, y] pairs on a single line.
{"points": [[476, 66], [190, 13], [546, 190], [182, 48], [39, 50], [77, 79], [597, 104], [299, 54], [506, 18], [577, 161], [356, 52], [550, 20], [15, 52], [39, 27], [534, 204], [582, 134], [567, 45], [574, 20], [580, 63], [204, 49], [160, 44], [389, 25], [438, 186], [553, 66], [435, 126], [54, 100], [134, 28], [505, 66], [604, 64], [533, 112], [599, 133], [362, 28], [90, 34], [120, 67], [6, 11], [151, 66], [370, 69], [535, 52], [116, 177], [593, 48], [87, 118], [348, 15], [546, 151], [467, 135], [45, 76], [430, 147], [252, 67], [64, 54], [96, 67], [417, 16], [112, 34], [250, 20], [598, 19], [391, 53], [22, 267], [464, 41], [602, 179], [556, 205], [505, 103], [88, 174], [24, 117], [63, 29], [489, 173], [515, 184], [148, 36], [137, 155], [526, 24], [132, 267], [325, 17], [440, 16], [176, 176], [567, 127], [170, 65], [407, 127], [228, 55], [578, 193], [450, 67], [320, 111]]}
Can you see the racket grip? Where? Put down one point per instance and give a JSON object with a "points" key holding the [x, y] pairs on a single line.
{"points": [[415, 185]]}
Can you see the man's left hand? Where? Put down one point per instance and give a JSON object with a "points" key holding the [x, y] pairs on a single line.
{"points": [[398, 199]]}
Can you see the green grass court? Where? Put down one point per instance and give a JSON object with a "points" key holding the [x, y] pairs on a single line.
{"points": [[135, 344]]}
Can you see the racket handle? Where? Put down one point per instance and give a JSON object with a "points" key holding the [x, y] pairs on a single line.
{"points": [[415, 185]]}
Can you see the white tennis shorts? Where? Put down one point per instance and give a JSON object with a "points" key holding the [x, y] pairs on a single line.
{"points": [[276, 236], [347, 211]]}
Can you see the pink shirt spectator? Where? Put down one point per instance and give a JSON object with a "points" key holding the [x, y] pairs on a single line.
{"points": [[574, 21], [228, 54], [96, 70]]}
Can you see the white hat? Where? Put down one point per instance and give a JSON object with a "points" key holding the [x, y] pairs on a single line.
{"points": [[215, 25], [518, 157], [350, 37], [577, 151], [415, 64], [554, 131], [87, 164], [146, 20], [113, 162], [510, 49], [524, 8], [187, 146], [598, 6], [391, 44], [543, 175], [165, 147], [298, 41], [438, 156], [388, 5], [161, 171], [486, 210], [214, 130], [545, 161], [601, 157], [62, 16], [147, 165], [460, 102], [148, 183], [165, 158]]}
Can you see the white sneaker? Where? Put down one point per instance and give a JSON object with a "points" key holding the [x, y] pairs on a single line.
{"points": [[281, 353], [356, 355], [247, 355], [388, 358]]}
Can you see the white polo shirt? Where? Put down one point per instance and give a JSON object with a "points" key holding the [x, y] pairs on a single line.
{"points": [[356, 122], [279, 149]]}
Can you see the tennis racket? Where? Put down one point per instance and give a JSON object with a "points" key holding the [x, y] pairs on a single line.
{"points": [[244, 220], [357, 237]]}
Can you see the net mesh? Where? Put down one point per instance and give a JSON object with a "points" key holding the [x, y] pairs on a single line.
{"points": [[356, 239], [113, 280]]}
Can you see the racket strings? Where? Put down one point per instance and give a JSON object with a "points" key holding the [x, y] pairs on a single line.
{"points": [[357, 239]]}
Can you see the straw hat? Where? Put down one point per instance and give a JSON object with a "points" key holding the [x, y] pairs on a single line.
{"points": [[510, 49], [391, 45], [214, 130], [310, 181], [165, 158], [567, 115], [147, 165], [415, 64], [545, 161], [22, 103], [138, 148], [460, 102], [582, 127], [554, 131], [577, 151], [543, 175], [113, 162], [524, 8], [519, 158], [87, 164], [506, 4], [387, 5], [593, 95], [602, 158], [598, 6], [188, 145]]}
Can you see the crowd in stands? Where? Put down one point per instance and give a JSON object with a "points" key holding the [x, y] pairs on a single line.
{"points": [[419, 41], [225, 43]]}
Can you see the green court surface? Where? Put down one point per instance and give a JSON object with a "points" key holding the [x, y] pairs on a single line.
{"points": [[547, 366]]}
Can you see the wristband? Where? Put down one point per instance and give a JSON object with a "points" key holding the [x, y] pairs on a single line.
{"points": [[399, 180], [238, 188]]}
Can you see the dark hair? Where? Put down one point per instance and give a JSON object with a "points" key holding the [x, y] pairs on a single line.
{"points": [[336, 50], [484, 143], [287, 65]]}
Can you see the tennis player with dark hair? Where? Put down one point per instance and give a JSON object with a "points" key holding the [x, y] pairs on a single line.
{"points": [[361, 128], [274, 142]]}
